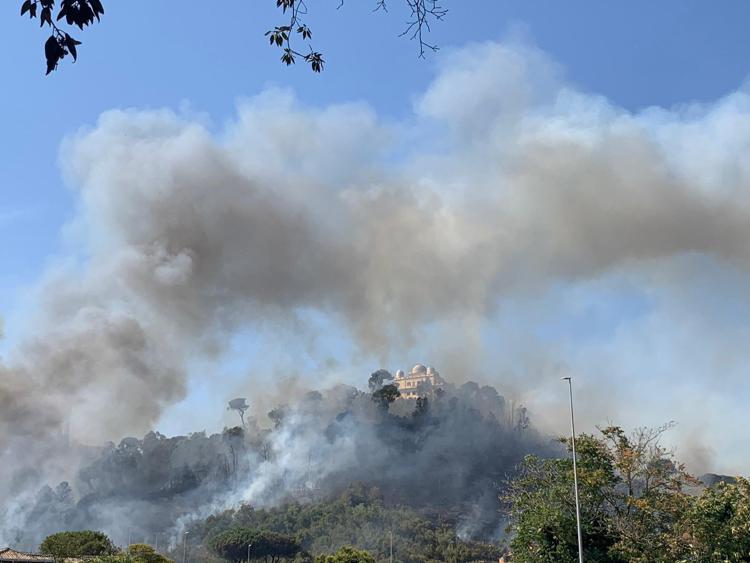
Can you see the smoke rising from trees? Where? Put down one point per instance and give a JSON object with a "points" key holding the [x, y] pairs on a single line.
{"points": [[450, 455], [506, 180]]}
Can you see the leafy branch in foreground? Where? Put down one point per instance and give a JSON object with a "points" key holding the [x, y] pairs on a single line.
{"points": [[280, 35], [82, 13]]}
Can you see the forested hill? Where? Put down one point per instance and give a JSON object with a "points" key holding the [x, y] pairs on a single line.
{"points": [[357, 517], [449, 455]]}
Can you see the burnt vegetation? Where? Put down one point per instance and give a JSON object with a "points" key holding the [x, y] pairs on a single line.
{"points": [[286, 37]]}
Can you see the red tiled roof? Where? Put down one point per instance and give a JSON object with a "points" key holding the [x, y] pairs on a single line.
{"points": [[11, 555]]}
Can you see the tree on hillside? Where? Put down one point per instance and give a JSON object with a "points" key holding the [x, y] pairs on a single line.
{"points": [[632, 498], [77, 544], [277, 416], [233, 545], [347, 555], [378, 378], [83, 13], [357, 517], [384, 396]]}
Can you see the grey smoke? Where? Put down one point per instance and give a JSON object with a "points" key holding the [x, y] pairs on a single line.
{"points": [[451, 457], [506, 180]]}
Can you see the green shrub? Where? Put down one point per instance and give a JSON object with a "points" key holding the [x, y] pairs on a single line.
{"points": [[77, 544]]}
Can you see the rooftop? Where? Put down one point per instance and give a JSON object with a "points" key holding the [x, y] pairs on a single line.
{"points": [[10, 555]]}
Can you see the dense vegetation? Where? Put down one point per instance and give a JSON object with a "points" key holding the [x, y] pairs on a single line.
{"points": [[347, 555], [638, 505], [347, 470], [77, 544], [358, 517], [240, 544], [447, 455], [142, 553]]}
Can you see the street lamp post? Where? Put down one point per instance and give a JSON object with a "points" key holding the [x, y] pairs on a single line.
{"points": [[184, 547], [575, 469], [248, 552]]}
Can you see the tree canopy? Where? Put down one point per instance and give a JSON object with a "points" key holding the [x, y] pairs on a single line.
{"points": [[77, 544], [384, 396], [285, 37], [717, 526], [347, 555], [237, 543], [358, 518], [144, 553], [638, 505]]}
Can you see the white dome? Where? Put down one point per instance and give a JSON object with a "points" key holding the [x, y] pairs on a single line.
{"points": [[431, 370], [400, 373], [418, 369]]}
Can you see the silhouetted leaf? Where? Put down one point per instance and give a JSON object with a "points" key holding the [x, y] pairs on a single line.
{"points": [[26, 7], [46, 17], [71, 43], [53, 53], [288, 57], [87, 15], [98, 8], [316, 61]]}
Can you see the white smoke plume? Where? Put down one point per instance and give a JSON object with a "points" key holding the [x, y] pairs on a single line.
{"points": [[506, 181]]}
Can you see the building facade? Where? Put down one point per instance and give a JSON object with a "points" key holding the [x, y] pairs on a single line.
{"points": [[421, 381]]}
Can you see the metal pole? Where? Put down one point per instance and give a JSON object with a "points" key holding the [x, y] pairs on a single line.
{"points": [[575, 469], [248, 552], [391, 546], [184, 547]]}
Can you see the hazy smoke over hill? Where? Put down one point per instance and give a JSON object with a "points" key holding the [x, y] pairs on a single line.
{"points": [[506, 179], [450, 455]]}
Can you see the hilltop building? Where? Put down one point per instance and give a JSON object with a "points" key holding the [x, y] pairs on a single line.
{"points": [[421, 381]]}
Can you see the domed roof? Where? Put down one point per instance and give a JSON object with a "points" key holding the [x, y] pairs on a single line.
{"points": [[400, 373], [418, 369], [431, 370]]}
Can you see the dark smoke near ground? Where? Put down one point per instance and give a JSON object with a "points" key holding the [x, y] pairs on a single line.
{"points": [[449, 456]]}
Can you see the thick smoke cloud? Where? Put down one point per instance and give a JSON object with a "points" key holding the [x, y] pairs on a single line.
{"points": [[507, 180], [449, 455]]}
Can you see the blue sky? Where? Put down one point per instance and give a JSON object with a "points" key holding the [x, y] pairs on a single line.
{"points": [[148, 55]]}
